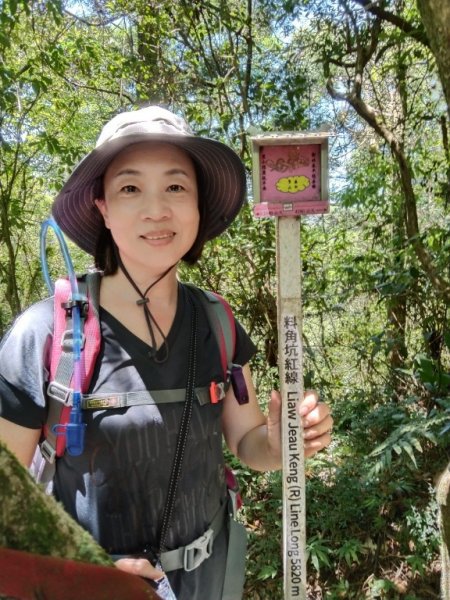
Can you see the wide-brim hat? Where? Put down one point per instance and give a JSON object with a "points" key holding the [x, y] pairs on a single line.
{"points": [[222, 181]]}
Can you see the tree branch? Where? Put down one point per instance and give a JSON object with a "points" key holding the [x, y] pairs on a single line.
{"points": [[375, 9], [366, 112]]}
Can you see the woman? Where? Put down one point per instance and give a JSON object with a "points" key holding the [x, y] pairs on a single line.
{"points": [[149, 195]]}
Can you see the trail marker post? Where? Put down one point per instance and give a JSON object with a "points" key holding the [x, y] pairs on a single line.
{"points": [[290, 179]]}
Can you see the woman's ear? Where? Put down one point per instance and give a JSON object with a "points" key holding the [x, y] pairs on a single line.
{"points": [[101, 205]]}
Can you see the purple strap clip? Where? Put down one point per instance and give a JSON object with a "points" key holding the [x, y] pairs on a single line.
{"points": [[238, 384]]}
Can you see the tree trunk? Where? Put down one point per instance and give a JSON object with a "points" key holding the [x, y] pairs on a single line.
{"points": [[36, 524], [32, 521], [436, 19]]}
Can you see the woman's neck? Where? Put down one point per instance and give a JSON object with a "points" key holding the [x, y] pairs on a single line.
{"points": [[119, 298], [163, 287]]}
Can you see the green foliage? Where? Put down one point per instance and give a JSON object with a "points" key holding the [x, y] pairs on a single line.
{"points": [[405, 440], [318, 553], [423, 534]]}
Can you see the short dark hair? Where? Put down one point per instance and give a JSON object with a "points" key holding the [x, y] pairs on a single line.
{"points": [[105, 254]]}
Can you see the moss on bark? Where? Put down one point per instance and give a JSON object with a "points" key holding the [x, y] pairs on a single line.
{"points": [[32, 521]]}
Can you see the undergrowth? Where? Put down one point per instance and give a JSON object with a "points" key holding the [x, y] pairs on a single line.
{"points": [[372, 518]]}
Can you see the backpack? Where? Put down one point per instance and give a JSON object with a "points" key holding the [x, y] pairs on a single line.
{"points": [[54, 439]]}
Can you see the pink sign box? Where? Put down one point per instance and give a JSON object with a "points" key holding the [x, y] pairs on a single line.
{"points": [[290, 180]]}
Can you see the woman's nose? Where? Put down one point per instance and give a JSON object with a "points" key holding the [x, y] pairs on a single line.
{"points": [[155, 207]]}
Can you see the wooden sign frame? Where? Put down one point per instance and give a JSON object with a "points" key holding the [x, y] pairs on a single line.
{"points": [[290, 174]]}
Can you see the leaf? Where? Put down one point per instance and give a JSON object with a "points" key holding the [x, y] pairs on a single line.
{"points": [[416, 444], [267, 572], [397, 449], [409, 451]]}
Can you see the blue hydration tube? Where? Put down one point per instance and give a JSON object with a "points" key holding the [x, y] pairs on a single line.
{"points": [[74, 430]]}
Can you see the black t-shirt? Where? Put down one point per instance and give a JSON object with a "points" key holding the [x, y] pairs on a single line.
{"points": [[117, 488]]}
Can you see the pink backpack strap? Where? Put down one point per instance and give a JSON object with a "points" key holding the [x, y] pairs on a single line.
{"points": [[91, 332], [226, 335], [222, 321], [62, 294], [61, 362], [223, 325]]}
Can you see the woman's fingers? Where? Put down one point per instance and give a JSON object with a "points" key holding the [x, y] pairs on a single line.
{"points": [[315, 445], [139, 566]]}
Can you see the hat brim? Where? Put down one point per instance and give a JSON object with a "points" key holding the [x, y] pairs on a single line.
{"points": [[223, 184]]}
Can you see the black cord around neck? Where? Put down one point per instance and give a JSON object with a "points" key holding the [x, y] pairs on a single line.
{"points": [[144, 302]]}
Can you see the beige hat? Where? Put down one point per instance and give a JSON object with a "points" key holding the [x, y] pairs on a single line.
{"points": [[222, 182]]}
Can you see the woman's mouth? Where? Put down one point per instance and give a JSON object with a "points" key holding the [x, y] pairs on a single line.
{"points": [[153, 237]]}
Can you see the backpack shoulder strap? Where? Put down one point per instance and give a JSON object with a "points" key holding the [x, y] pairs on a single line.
{"points": [[222, 322], [220, 317], [90, 286], [59, 390]]}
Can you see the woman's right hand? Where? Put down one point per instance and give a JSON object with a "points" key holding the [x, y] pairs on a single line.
{"points": [[139, 566]]}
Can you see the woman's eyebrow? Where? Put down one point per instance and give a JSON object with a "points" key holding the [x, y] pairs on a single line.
{"points": [[176, 171], [129, 171], [126, 172]]}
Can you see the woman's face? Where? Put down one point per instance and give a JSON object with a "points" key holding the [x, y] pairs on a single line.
{"points": [[150, 205]]}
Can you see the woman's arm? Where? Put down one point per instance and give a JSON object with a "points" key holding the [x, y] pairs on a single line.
{"points": [[256, 439], [20, 440]]}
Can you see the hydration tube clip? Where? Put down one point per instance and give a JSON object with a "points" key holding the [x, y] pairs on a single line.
{"points": [[81, 303], [73, 431]]}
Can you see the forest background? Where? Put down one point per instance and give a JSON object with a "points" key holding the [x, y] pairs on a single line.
{"points": [[376, 272]]}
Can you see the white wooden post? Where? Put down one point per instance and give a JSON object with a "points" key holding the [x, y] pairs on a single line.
{"points": [[291, 382]]}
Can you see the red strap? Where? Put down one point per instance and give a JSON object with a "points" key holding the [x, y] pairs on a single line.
{"points": [[89, 354], [214, 392], [220, 335]]}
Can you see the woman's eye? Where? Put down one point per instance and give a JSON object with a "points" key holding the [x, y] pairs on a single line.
{"points": [[175, 187], [129, 189]]}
